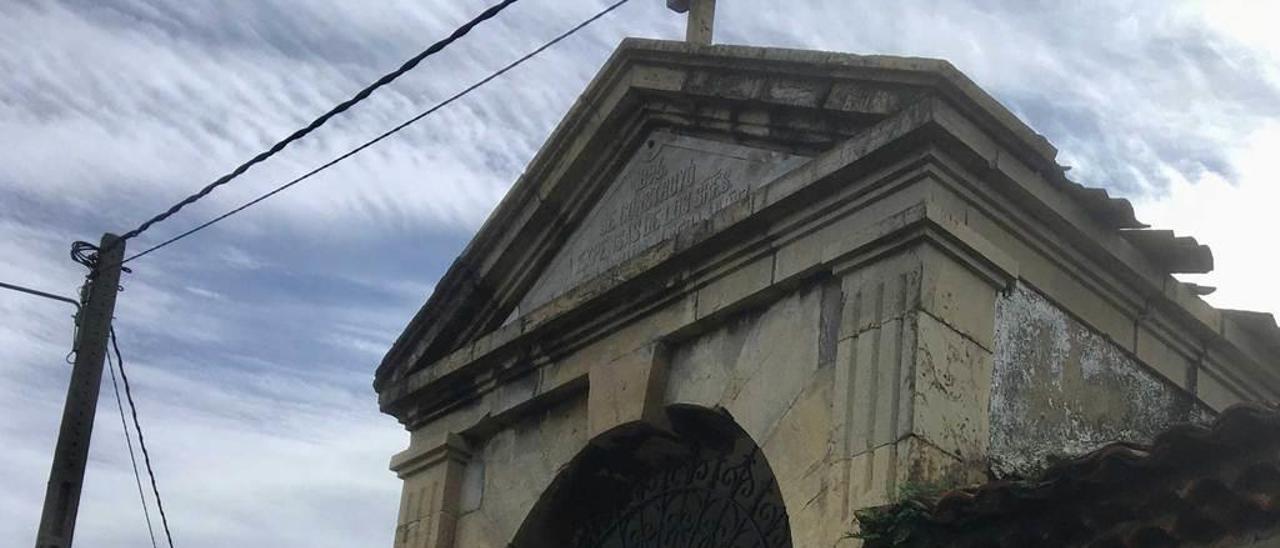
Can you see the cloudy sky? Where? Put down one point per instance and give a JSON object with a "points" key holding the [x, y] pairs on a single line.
{"points": [[252, 345]]}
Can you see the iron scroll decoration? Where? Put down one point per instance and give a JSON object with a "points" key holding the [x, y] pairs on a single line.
{"points": [[706, 500]]}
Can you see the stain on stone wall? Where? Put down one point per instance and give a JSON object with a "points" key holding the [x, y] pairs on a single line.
{"points": [[1060, 389]]}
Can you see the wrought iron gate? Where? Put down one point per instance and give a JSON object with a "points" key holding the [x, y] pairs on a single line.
{"points": [[709, 500]]}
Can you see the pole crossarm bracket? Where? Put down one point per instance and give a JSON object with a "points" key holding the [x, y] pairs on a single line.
{"points": [[38, 293]]}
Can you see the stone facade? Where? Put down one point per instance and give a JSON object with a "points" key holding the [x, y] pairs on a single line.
{"points": [[870, 272]]}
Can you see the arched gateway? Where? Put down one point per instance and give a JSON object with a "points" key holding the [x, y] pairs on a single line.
{"points": [[879, 271], [701, 484]]}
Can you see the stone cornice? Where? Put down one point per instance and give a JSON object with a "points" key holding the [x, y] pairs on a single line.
{"points": [[407, 463], [930, 141], [843, 92]]}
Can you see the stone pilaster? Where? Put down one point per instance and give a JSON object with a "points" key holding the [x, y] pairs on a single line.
{"points": [[913, 377], [430, 499]]}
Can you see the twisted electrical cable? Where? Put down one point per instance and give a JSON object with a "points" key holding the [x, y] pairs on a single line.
{"points": [[341, 107]]}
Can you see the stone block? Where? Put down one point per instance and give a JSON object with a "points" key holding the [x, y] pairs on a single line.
{"points": [[743, 282], [878, 402], [1180, 296], [797, 451], [628, 389], [520, 462], [638, 334], [729, 85], [886, 473], [872, 479], [1252, 346], [923, 466], [700, 370], [794, 92], [951, 292], [512, 393], [1215, 392], [561, 374], [952, 395], [657, 78], [844, 237], [880, 291], [1095, 310], [438, 432], [754, 365], [475, 531], [1158, 354], [866, 98], [773, 359], [496, 339], [754, 116]]}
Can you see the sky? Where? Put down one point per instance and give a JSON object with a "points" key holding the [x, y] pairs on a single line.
{"points": [[252, 345]]}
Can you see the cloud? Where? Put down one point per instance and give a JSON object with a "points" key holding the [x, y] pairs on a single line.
{"points": [[252, 344], [1236, 219], [1127, 90]]}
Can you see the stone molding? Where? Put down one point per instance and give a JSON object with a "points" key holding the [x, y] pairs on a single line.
{"points": [[414, 460], [772, 219], [738, 91]]}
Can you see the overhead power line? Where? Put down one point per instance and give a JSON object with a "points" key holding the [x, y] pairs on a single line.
{"points": [[360, 96], [142, 443], [133, 459], [385, 134]]}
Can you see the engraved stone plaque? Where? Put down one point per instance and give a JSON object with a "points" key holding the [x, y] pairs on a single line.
{"points": [[670, 183]]}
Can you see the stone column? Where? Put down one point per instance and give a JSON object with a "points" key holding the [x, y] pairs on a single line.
{"points": [[432, 489]]}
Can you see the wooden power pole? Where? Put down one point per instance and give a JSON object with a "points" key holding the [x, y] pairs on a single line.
{"points": [[66, 478]]}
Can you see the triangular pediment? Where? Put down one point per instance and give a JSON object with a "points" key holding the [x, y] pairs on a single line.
{"points": [[671, 182], [666, 135]]}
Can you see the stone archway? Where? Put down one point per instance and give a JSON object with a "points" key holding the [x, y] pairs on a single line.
{"points": [[702, 483]]}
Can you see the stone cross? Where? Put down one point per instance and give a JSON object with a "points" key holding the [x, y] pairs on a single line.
{"points": [[702, 16]]}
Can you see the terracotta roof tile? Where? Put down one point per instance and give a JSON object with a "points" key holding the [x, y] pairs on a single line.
{"points": [[1192, 485]]}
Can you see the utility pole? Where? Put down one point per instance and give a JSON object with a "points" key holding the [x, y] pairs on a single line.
{"points": [[66, 478]]}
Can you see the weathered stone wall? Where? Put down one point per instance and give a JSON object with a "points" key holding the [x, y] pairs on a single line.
{"points": [[854, 384], [1060, 389], [771, 369], [923, 301], [912, 378], [509, 471]]}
